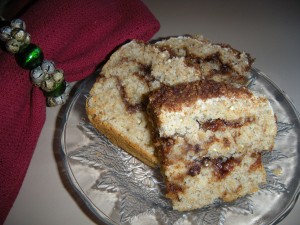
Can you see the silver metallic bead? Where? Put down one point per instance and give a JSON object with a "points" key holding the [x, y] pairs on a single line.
{"points": [[27, 39], [5, 33], [48, 66], [13, 46], [18, 23], [37, 76], [19, 34], [48, 85], [60, 100], [54, 101], [58, 76]]}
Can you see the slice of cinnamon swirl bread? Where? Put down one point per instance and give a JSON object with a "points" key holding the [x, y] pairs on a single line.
{"points": [[209, 137], [117, 102], [200, 183], [194, 58]]}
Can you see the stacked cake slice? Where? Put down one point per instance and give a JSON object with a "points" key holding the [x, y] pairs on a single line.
{"points": [[209, 136]]}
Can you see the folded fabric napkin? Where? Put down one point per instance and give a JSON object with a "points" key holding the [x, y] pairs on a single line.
{"points": [[77, 35]]}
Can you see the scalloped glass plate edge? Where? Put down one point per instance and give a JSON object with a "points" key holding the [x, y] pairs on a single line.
{"points": [[65, 111], [295, 197]]}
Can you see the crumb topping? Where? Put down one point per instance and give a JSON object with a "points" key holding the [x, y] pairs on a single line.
{"points": [[172, 97]]}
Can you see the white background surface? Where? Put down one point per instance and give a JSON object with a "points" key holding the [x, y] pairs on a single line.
{"points": [[268, 30]]}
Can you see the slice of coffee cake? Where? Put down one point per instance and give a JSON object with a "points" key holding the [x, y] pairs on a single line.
{"points": [[216, 119], [195, 184], [209, 139]]}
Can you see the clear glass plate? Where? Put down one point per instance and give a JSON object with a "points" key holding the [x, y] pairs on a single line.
{"points": [[121, 190]]}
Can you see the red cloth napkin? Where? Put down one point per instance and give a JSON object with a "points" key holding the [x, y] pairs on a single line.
{"points": [[77, 35]]}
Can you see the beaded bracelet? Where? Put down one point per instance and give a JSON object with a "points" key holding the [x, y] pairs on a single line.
{"points": [[43, 73]]}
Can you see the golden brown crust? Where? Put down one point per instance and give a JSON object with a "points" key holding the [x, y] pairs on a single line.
{"points": [[119, 139]]}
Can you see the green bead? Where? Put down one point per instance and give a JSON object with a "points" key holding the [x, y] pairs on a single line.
{"points": [[29, 57], [58, 90]]}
